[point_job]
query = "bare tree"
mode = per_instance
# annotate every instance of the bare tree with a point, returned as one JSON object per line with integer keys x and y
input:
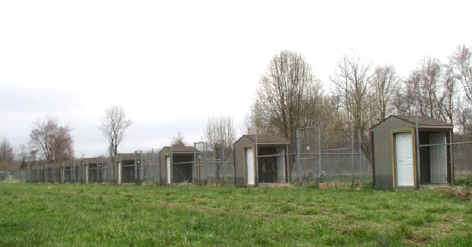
{"x": 178, "y": 140}
{"x": 448, "y": 99}
{"x": 53, "y": 141}
{"x": 463, "y": 116}
{"x": 282, "y": 95}
{"x": 220, "y": 132}
{"x": 6, "y": 155}
{"x": 352, "y": 82}
{"x": 429, "y": 91}
{"x": 430, "y": 85}
{"x": 114, "y": 125}
{"x": 383, "y": 83}
{"x": 461, "y": 61}
{"x": 404, "y": 99}
{"x": 220, "y": 135}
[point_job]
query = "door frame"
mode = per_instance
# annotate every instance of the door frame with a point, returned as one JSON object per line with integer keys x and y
{"x": 394, "y": 158}
{"x": 168, "y": 170}
{"x": 443, "y": 134}
{"x": 247, "y": 166}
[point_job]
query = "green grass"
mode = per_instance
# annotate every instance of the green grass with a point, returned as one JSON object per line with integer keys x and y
{"x": 129, "y": 215}
{"x": 464, "y": 181}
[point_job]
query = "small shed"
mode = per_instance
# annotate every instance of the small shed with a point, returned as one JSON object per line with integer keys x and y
{"x": 394, "y": 152}
{"x": 129, "y": 169}
{"x": 95, "y": 169}
{"x": 260, "y": 159}
{"x": 177, "y": 164}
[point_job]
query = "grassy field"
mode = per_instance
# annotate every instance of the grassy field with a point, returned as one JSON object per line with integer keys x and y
{"x": 129, "y": 215}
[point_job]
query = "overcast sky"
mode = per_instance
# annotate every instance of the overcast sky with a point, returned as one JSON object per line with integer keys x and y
{"x": 173, "y": 64}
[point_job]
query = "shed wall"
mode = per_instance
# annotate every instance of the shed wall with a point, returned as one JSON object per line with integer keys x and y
{"x": 163, "y": 166}
{"x": 383, "y": 151}
{"x": 240, "y": 160}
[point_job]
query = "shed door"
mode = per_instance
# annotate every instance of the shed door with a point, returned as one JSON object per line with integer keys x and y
{"x": 404, "y": 159}
{"x": 251, "y": 176}
{"x": 438, "y": 158}
{"x": 168, "y": 169}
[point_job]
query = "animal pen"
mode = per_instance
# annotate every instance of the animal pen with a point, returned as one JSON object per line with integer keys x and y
{"x": 177, "y": 164}
{"x": 213, "y": 164}
{"x": 260, "y": 159}
{"x": 411, "y": 152}
{"x": 330, "y": 156}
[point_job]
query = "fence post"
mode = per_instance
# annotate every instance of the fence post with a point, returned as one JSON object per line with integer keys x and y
{"x": 86, "y": 173}
{"x": 320, "y": 165}
{"x": 359, "y": 143}
{"x": 61, "y": 173}
{"x": 352, "y": 156}
{"x": 118, "y": 173}
{"x": 297, "y": 157}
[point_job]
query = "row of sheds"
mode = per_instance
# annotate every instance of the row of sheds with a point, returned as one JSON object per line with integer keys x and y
{"x": 395, "y": 143}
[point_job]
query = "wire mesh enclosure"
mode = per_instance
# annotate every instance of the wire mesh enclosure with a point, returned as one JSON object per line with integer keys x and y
{"x": 320, "y": 156}
{"x": 442, "y": 156}
{"x": 330, "y": 156}
{"x": 213, "y": 164}
{"x": 462, "y": 156}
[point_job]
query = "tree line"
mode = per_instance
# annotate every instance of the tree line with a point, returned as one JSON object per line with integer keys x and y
{"x": 290, "y": 96}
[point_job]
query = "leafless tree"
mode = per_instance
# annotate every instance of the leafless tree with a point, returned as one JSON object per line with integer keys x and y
{"x": 383, "y": 83}
{"x": 6, "y": 155}
{"x": 220, "y": 135}
{"x": 220, "y": 132}
{"x": 178, "y": 140}
{"x": 463, "y": 116}
{"x": 282, "y": 95}
{"x": 430, "y": 72}
{"x": 53, "y": 141}
{"x": 404, "y": 99}
{"x": 461, "y": 61}
{"x": 429, "y": 91}
{"x": 447, "y": 104}
{"x": 114, "y": 125}
{"x": 352, "y": 82}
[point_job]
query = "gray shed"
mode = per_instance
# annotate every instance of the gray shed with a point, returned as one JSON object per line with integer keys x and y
{"x": 261, "y": 159}
{"x": 394, "y": 152}
{"x": 177, "y": 164}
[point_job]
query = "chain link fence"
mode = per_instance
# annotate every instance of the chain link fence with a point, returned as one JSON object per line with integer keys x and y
{"x": 437, "y": 150}
{"x": 331, "y": 157}
{"x": 214, "y": 164}
{"x": 321, "y": 157}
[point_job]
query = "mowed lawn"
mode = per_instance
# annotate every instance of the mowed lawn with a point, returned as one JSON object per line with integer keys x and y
{"x": 129, "y": 215}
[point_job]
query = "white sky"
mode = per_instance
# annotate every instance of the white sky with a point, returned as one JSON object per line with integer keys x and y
{"x": 172, "y": 64}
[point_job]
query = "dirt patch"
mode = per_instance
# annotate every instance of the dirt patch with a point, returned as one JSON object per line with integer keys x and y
{"x": 275, "y": 185}
{"x": 461, "y": 193}
{"x": 415, "y": 240}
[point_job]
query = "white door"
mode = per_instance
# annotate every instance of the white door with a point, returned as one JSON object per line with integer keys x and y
{"x": 168, "y": 169}
{"x": 251, "y": 177}
{"x": 404, "y": 159}
{"x": 438, "y": 158}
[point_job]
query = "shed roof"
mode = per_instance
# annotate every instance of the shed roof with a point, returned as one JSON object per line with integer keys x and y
{"x": 266, "y": 139}
{"x": 127, "y": 156}
{"x": 180, "y": 149}
{"x": 93, "y": 159}
{"x": 424, "y": 122}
